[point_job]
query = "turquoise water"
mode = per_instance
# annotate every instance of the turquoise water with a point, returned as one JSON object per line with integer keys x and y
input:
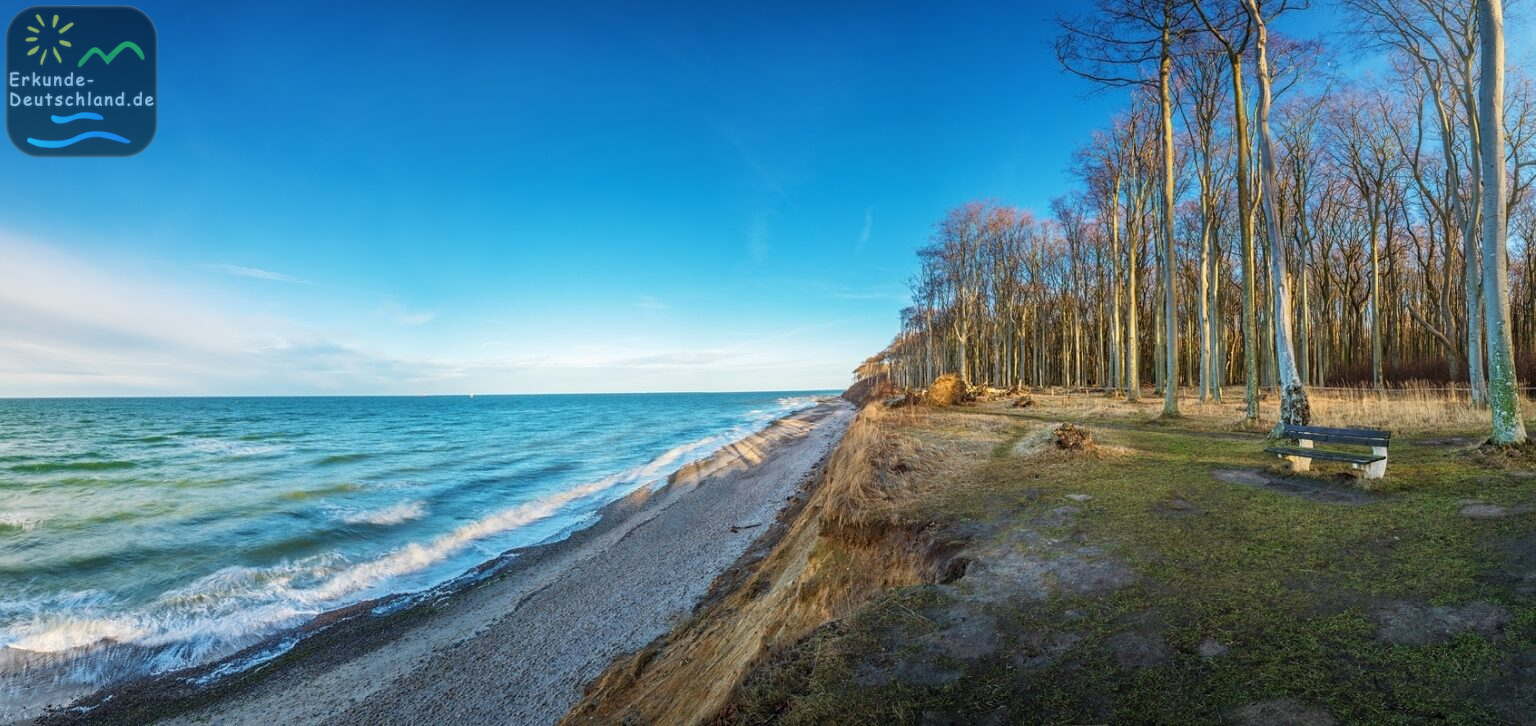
{"x": 146, "y": 535}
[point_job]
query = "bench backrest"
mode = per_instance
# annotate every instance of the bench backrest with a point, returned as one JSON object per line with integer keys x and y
{"x": 1356, "y": 437}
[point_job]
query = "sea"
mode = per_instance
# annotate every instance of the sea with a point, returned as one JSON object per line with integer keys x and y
{"x": 141, "y": 536}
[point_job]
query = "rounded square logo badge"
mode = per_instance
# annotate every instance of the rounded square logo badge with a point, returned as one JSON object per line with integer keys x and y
{"x": 80, "y": 80}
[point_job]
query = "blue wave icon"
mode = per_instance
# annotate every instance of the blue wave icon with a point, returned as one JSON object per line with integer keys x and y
{"x": 76, "y": 117}
{"x": 46, "y": 144}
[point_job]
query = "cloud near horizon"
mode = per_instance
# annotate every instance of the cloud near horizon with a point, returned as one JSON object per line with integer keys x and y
{"x": 75, "y": 327}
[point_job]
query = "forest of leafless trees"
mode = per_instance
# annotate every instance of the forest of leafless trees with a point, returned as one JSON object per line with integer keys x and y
{"x": 1257, "y": 219}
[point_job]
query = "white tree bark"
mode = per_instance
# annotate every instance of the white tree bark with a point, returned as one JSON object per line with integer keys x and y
{"x": 1503, "y": 391}
{"x": 1294, "y": 406}
{"x": 1170, "y": 301}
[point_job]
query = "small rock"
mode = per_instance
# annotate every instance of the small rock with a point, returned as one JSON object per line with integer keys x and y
{"x": 1080, "y": 497}
{"x": 1212, "y": 648}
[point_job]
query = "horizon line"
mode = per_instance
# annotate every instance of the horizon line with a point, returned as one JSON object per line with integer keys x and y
{"x": 408, "y": 395}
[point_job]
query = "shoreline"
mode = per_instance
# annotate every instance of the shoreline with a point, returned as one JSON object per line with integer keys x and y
{"x": 599, "y": 592}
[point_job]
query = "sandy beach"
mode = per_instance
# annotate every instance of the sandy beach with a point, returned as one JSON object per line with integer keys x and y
{"x": 518, "y": 645}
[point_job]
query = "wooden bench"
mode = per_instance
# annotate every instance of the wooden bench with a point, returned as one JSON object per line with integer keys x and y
{"x": 1301, "y": 456}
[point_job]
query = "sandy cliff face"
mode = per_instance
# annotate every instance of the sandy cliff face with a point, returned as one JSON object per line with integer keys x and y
{"x": 839, "y": 544}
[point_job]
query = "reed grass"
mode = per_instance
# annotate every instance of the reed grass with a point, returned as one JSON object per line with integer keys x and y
{"x": 1412, "y": 408}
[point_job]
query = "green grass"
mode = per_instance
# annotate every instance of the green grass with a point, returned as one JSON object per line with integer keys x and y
{"x": 1285, "y": 582}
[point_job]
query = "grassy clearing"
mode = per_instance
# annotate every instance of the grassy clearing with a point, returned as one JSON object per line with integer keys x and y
{"x": 1236, "y": 595}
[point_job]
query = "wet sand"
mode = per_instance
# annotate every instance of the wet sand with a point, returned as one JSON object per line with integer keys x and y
{"x": 518, "y": 644}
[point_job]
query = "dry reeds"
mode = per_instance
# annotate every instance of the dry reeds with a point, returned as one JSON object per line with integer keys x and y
{"x": 1417, "y": 407}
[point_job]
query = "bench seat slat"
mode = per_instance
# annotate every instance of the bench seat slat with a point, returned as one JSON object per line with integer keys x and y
{"x": 1335, "y": 438}
{"x": 1324, "y": 430}
{"x": 1325, "y": 454}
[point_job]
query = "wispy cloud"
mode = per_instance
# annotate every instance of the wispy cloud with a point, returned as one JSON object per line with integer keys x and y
{"x": 71, "y": 325}
{"x": 650, "y": 303}
{"x": 869, "y": 224}
{"x": 256, "y": 273}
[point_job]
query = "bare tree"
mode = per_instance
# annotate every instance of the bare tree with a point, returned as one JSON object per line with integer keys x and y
{"x": 1440, "y": 36}
{"x": 1503, "y": 391}
{"x": 1294, "y": 406}
{"x": 1114, "y": 46}
{"x": 1233, "y": 30}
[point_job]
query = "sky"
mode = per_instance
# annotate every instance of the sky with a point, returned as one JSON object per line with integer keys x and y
{"x": 519, "y": 197}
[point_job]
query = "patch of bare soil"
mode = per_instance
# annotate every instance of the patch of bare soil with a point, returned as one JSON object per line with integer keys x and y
{"x": 1405, "y": 622}
{"x": 1141, "y": 644}
{"x": 970, "y": 628}
{"x": 1483, "y": 510}
{"x": 1517, "y": 569}
{"x": 934, "y": 647}
{"x": 1281, "y": 712}
{"x": 1177, "y": 506}
{"x": 1512, "y": 695}
{"x": 1316, "y": 490}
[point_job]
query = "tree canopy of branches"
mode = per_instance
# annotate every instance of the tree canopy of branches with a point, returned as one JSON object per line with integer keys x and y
{"x": 1382, "y": 231}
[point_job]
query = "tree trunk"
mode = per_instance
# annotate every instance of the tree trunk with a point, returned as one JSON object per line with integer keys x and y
{"x": 1294, "y": 406}
{"x": 1375, "y": 290}
{"x": 1245, "y": 230}
{"x": 1170, "y": 310}
{"x": 1503, "y": 391}
{"x": 1132, "y": 335}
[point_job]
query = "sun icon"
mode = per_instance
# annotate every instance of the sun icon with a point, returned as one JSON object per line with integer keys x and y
{"x": 44, "y": 29}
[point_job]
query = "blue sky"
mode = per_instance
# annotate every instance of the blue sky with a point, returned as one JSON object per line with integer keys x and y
{"x": 525, "y": 197}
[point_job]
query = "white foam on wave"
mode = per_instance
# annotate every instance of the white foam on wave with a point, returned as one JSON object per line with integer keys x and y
{"x": 236, "y": 449}
{"x": 402, "y": 512}
{"x": 238, "y": 606}
{"x": 52, "y": 635}
{"x": 17, "y": 520}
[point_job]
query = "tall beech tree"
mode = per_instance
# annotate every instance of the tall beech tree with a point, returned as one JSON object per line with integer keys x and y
{"x": 1232, "y": 27}
{"x": 1503, "y": 391}
{"x": 1114, "y": 46}
{"x": 1294, "y": 407}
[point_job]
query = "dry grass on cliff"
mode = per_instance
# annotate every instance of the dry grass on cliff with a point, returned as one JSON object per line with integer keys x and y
{"x": 854, "y": 538}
